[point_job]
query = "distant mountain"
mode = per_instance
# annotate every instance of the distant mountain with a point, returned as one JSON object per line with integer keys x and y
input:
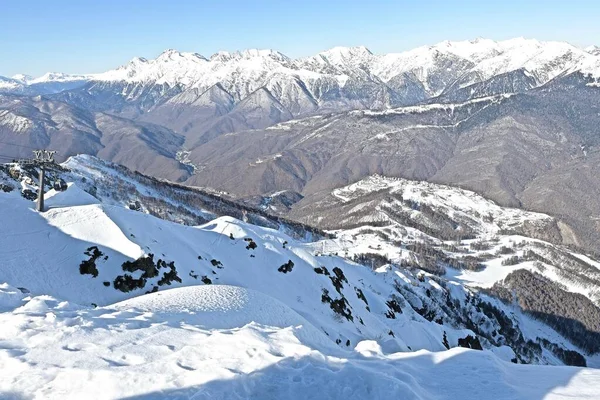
{"x": 174, "y": 88}
{"x": 10, "y": 84}
{"x": 51, "y": 82}
{"x": 514, "y": 120}
{"x": 35, "y": 122}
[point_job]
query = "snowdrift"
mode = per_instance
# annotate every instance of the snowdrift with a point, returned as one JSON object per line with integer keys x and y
{"x": 163, "y": 346}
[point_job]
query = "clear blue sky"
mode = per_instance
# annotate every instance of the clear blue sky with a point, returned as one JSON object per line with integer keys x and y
{"x": 80, "y": 36}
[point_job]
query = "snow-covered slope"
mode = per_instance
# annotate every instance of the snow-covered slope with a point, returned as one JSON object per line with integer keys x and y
{"x": 250, "y": 302}
{"x": 77, "y": 229}
{"x": 375, "y": 214}
{"x": 195, "y": 343}
{"x": 95, "y": 249}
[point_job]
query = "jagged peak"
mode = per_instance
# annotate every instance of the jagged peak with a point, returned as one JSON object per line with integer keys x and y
{"x": 175, "y": 55}
{"x": 22, "y": 78}
{"x": 133, "y": 62}
{"x": 341, "y": 53}
{"x": 192, "y": 69}
{"x": 224, "y": 56}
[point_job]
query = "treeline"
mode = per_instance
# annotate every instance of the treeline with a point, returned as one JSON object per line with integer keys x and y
{"x": 571, "y": 314}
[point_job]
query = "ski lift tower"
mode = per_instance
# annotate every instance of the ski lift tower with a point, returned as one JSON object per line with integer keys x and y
{"x": 42, "y": 159}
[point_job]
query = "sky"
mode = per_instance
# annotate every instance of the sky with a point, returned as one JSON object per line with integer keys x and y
{"x": 89, "y": 36}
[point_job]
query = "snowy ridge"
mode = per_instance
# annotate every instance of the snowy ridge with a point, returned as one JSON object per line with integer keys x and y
{"x": 240, "y": 289}
{"x": 485, "y": 56}
{"x": 462, "y": 204}
{"x": 478, "y": 59}
{"x": 419, "y": 73}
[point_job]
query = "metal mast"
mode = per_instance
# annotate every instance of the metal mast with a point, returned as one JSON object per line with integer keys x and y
{"x": 42, "y": 158}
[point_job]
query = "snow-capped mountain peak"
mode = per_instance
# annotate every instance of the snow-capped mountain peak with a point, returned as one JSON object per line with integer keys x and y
{"x": 595, "y": 50}
{"x": 305, "y": 85}
{"x": 176, "y": 56}
{"x": 22, "y": 77}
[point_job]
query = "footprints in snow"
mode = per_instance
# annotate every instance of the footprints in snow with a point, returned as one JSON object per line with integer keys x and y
{"x": 78, "y": 347}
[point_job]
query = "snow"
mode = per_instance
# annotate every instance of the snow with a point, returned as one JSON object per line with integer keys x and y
{"x": 448, "y": 107}
{"x": 58, "y": 77}
{"x": 491, "y": 217}
{"x": 266, "y": 159}
{"x": 226, "y": 307}
{"x": 252, "y": 331}
{"x": 305, "y": 80}
{"x": 174, "y": 344}
{"x": 15, "y": 122}
{"x": 9, "y": 84}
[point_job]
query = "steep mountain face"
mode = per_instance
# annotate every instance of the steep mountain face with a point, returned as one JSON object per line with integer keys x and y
{"x": 27, "y": 123}
{"x": 517, "y": 81}
{"x": 520, "y": 150}
{"x": 109, "y": 248}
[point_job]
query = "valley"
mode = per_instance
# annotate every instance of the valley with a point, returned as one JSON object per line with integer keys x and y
{"x": 421, "y": 224}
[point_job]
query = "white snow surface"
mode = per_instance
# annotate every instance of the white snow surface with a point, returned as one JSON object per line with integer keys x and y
{"x": 166, "y": 345}
{"x": 222, "y": 306}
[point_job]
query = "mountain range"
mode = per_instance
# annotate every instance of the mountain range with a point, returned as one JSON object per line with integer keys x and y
{"x": 514, "y": 120}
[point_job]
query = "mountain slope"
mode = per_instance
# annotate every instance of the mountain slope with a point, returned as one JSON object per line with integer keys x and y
{"x": 535, "y": 149}
{"x": 168, "y": 90}
{"x": 191, "y": 299}
{"x": 42, "y": 123}
{"x": 95, "y": 250}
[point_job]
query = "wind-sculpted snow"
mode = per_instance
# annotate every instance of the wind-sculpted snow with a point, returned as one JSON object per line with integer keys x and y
{"x": 54, "y": 350}
{"x": 226, "y": 307}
